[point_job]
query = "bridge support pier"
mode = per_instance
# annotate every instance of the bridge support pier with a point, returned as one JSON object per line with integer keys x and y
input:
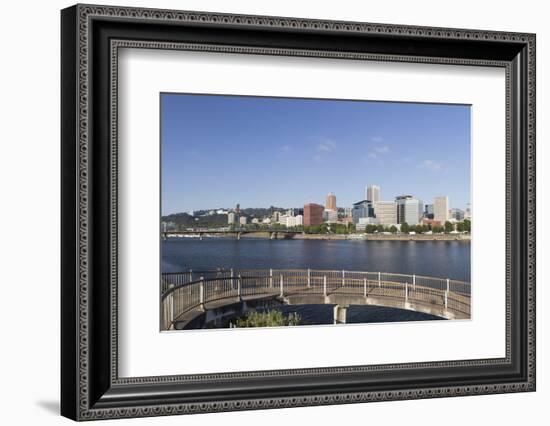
{"x": 340, "y": 314}
{"x": 239, "y": 235}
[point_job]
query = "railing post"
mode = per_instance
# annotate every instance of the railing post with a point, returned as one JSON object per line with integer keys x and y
{"x": 190, "y": 275}
{"x": 379, "y": 274}
{"x": 308, "y": 277}
{"x": 270, "y": 278}
{"x": 282, "y": 292}
{"x": 365, "y": 287}
{"x": 446, "y": 299}
{"x": 406, "y": 292}
{"x": 325, "y": 285}
{"x": 201, "y": 293}
{"x": 448, "y": 284}
{"x": 343, "y": 278}
{"x": 232, "y": 283}
{"x": 239, "y": 287}
{"x": 414, "y": 282}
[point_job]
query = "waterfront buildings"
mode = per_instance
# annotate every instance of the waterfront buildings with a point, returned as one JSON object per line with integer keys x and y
{"x": 385, "y": 212}
{"x": 313, "y": 214}
{"x": 429, "y": 211}
{"x": 372, "y": 193}
{"x": 431, "y": 222}
{"x": 362, "y": 209}
{"x": 292, "y": 221}
{"x": 231, "y": 218}
{"x": 331, "y": 202}
{"x": 441, "y": 209}
{"x": 457, "y": 214}
{"x": 242, "y": 220}
{"x": 409, "y": 209}
{"x": 330, "y": 216}
{"x": 364, "y": 221}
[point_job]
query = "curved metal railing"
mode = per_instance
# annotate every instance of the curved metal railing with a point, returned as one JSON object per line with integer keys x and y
{"x": 187, "y": 291}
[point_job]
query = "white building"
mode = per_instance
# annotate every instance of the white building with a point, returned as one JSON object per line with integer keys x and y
{"x": 267, "y": 220}
{"x": 255, "y": 220}
{"x": 242, "y": 220}
{"x": 409, "y": 209}
{"x": 372, "y": 193}
{"x": 330, "y": 216}
{"x": 231, "y": 218}
{"x": 291, "y": 221}
{"x": 364, "y": 221}
{"x": 441, "y": 209}
{"x": 386, "y": 212}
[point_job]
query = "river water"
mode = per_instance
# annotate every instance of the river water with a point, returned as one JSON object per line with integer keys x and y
{"x": 442, "y": 259}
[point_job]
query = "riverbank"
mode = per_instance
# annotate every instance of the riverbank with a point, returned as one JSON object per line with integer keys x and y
{"x": 364, "y": 237}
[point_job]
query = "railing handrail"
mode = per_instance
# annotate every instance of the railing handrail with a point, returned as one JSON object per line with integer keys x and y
{"x": 313, "y": 271}
{"x": 237, "y": 276}
{"x": 451, "y": 294}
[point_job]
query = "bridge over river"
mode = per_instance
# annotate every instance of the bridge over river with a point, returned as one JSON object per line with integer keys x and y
{"x": 189, "y": 299}
{"x": 237, "y": 232}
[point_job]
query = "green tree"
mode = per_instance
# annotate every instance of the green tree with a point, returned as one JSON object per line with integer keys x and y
{"x": 467, "y": 225}
{"x": 369, "y": 229}
{"x": 449, "y": 227}
{"x": 460, "y": 226}
{"x": 437, "y": 229}
{"x": 393, "y": 229}
{"x": 418, "y": 229}
{"x": 405, "y": 228}
{"x": 380, "y": 228}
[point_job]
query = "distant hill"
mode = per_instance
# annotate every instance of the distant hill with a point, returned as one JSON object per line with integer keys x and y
{"x": 201, "y": 218}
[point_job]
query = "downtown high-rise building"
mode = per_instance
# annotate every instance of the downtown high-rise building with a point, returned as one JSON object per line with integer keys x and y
{"x": 441, "y": 209}
{"x": 372, "y": 193}
{"x": 386, "y": 212}
{"x": 362, "y": 209}
{"x": 409, "y": 209}
{"x": 331, "y": 202}
{"x": 313, "y": 214}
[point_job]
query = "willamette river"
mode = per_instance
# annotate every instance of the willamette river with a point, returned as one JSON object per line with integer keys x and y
{"x": 443, "y": 259}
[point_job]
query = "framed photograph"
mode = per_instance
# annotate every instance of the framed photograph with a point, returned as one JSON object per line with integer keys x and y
{"x": 263, "y": 212}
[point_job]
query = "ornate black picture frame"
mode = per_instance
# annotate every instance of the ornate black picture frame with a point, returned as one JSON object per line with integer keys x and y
{"x": 91, "y": 387}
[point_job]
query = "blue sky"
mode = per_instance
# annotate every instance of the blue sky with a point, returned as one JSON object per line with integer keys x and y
{"x": 218, "y": 151}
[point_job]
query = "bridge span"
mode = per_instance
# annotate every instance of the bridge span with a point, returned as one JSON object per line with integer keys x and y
{"x": 190, "y": 298}
{"x": 238, "y": 233}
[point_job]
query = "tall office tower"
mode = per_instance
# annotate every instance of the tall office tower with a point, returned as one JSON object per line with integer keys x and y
{"x": 313, "y": 214}
{"x": 372, "y": 193}
{"x": 331, "y": 202}
{"x": 441, "y": 209}
{"x": 409, "y": 209}
{"x": 386, "y": 212}
{"x": 362, "y": 209}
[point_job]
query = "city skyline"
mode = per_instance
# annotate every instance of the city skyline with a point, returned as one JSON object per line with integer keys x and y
{"x": 218, "y": 151}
